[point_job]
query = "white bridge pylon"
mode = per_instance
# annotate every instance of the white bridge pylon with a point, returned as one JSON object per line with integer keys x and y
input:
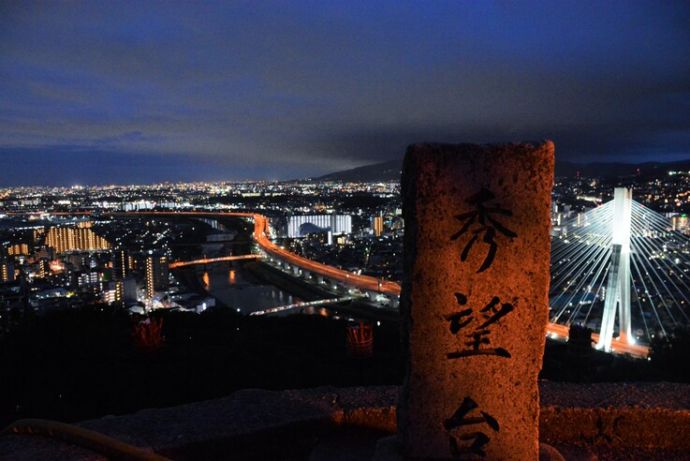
{"x": 618, "y": 259}
{"x": 618, "y": 284}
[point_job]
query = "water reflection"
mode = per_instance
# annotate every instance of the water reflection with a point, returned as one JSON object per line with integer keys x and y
{"x": 315, "y": 310}
{"x": 238, "y": 289}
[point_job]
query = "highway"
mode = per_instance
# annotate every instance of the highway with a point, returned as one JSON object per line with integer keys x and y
{"x": 363, "y": 282}
{"x": 195, "y": 262}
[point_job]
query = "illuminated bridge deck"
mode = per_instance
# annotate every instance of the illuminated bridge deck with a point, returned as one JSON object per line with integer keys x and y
{"x": 289, "y": 307}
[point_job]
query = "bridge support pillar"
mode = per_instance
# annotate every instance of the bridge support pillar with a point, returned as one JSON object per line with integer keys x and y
{"x": 618, "y": 285}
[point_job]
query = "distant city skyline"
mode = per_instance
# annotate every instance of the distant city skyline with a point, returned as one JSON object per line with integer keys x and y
{"x": 128, "y": 92}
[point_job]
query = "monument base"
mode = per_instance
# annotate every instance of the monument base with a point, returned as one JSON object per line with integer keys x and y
{"x": 390, "y": 449}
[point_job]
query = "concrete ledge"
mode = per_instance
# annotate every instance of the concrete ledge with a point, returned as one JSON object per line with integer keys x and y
{"x": 606, "y": 419}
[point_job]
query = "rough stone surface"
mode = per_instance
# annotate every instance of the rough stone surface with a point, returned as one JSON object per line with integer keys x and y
{"x": 651, "y": 422}
{"x": 31, "y": 448}
{"x": 248, "y": 421}
{"x": 390, "y": 449}
{"x": 471, "y": 386}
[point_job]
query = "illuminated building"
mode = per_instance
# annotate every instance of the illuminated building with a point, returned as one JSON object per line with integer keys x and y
{"x": 18, "y": 249}
{"x": 89, "y": 279}
{"x": 43, "y": 268}
{"x": 680, "y": 223}
{"x": 80, "y": 238}
{"x": 121, "y": 264}
{"x": 114, "y": 293}
{"x": 156, "y": 273}
{"x": 299, "y": 226}
{"x": 377, "y": 225}
{"x": 121, "y": 292}
{"x": 6, "y": 271}
{"x": 139, "y": 205}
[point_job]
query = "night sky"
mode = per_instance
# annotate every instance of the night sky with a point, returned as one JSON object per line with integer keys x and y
{"x": 135, "y": 92}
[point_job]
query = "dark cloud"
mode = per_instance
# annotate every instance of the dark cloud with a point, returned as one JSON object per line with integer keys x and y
{"x": 75, "y": 165}
{"x": 300, "y": 88}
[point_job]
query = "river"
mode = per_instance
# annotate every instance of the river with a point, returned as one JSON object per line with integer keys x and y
{"x": 238, "y": 289}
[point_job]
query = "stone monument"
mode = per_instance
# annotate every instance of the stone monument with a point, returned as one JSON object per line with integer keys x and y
{"x": 474, "y": 299}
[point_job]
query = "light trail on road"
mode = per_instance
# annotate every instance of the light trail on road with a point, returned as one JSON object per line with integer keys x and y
{"x": 195, "y": 262}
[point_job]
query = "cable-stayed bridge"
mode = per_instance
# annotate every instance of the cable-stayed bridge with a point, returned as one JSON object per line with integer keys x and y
{"x": 621, "y": 270}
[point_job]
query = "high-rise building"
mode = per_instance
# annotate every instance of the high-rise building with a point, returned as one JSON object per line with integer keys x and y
{"x": 156, "y": 273}
{"x": 80, "y": 238}
{"x": 6, "y": 270}
{"x": 377, "y": 225}
{"x": 43, "y": 268}
{"x": 299, "y": 226}
{"x": 121, "y": 264}
{"x": 18, "y": 249}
